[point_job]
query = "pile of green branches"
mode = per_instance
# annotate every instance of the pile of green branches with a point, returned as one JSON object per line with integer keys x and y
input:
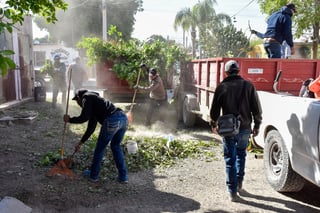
{"x": 152, "y": 153}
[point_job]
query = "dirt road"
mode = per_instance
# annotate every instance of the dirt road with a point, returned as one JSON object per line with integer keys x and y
{"x": 190, "y": 186}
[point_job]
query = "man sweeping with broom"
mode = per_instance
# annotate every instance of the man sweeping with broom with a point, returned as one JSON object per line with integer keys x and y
{"x": 114, "y": 124}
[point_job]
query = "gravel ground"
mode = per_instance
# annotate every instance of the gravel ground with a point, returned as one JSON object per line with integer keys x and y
{"x": 192, "y": 185}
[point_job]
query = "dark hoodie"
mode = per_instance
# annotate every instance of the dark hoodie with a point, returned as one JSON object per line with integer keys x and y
{"x": 94, "y": 109}
{"x": 279, "y": 26}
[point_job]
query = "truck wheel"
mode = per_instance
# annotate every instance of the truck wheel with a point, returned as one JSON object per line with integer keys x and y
{"x": 188, "y": 117}
{"x": 278, "y": 170}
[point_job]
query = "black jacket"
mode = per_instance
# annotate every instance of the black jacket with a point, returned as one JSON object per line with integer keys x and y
{"x": 229, "y": 94}
{"x": 94, "y": 109}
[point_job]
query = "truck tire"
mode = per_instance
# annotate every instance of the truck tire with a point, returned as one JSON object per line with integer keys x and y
{"x": 188, "y": 117}
{"x": 278, "y": 170}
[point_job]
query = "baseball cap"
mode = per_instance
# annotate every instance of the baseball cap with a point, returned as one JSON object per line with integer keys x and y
{"x": 56, "y": 57}
{"x": 292, "y": 7}
{"x": 231, "y": 67}
{"x": 79, "y": 93}
{"x": 152, "y": 71}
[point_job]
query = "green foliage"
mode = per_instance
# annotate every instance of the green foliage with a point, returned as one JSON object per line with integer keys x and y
{"x": 127, "y": 56}
{"x": 49, "y": 159}
{"x": 6, "y": 62}
{"x": 191, "y": 18}
{"x": 224, "y": 42}
{"x": 152, "y": 153}
{"x": 47, "y": 67}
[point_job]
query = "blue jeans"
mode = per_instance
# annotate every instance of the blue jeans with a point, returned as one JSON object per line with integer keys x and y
{"x": 113, "y": 129}
{"x": 273, "y": 49}
{"x": 235, "y": 151}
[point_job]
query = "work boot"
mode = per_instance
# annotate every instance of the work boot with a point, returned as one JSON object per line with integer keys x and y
{"x": 239, "y": 186}
{"x": 234, "y": 197}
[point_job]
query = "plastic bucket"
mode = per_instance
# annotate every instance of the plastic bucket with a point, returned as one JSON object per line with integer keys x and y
{"x": 132, "y": 147}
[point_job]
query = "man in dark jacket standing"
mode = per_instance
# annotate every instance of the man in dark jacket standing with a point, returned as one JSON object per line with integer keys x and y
{"x": 59, "y": 78}
{"x": 279, "y": 30}
{"x": 114, "y": 124}
{"x": 236, "y": 96}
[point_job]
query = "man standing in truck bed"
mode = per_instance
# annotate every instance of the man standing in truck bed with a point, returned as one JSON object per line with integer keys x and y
{"x": 279, "y": 30}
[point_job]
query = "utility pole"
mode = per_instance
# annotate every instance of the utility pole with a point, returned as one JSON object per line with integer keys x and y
{"x": 104, "y": 20}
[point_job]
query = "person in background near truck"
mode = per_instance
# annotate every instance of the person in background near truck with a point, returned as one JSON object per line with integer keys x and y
{"x": 157, "y": 94}
{"x": 59, "y": 80}
{"x": 79, "y": 74}
{"x": 114, "y": 124}
{"x": 278, "y": 30}
{"x": 234, "y": 147}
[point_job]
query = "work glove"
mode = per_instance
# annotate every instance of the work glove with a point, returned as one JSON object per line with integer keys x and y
{"x": 253, "y": 32}
{"x": 255, "y": 132}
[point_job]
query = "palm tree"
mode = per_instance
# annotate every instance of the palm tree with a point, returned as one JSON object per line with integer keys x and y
{"x": 189, "y": 19}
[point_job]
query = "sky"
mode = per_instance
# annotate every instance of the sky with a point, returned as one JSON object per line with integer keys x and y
{"x": 158, "y": 17}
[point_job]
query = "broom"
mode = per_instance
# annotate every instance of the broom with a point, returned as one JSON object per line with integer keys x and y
{"x": 61, "y": 169}
{"x": 129, "y": 113}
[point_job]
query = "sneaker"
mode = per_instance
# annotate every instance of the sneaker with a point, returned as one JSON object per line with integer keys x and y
{"x": 122, "y": 181}
{"x": 233, "y": 197}
{"x": 87, "y": 174}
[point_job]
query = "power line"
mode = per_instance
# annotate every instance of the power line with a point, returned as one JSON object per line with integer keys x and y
{"x": 247, "y": 5}
{"x": 79, "y": 5}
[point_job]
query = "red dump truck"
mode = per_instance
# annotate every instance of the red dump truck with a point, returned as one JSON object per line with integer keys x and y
{"x": 290, "y": 130}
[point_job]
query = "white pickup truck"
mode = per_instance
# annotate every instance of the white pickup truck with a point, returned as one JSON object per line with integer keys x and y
{"x": 290, "y": 130}
{"x": 290, "y": 136}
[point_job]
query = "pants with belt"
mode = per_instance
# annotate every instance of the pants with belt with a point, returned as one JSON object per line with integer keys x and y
{"x": 273, "y": 49}
{"x": 112, "y": 130}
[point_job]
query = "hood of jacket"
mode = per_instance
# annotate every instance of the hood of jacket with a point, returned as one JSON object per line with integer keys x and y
{"x": 286, "y": 10}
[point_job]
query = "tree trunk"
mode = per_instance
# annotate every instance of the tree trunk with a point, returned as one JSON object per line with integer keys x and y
{"x": 315, "y": 41}
{"x": 193, "y": 38}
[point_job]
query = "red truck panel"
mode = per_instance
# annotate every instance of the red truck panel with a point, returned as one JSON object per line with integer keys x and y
{"x": 261, "y": 72}
{"x": 115, "y": 88}
{"x": 106, "y": 79}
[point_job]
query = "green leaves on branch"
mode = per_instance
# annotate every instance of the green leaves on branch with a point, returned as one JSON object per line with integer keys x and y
{"x": 6, "y": 62}
{"x": 127, "y": 56}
